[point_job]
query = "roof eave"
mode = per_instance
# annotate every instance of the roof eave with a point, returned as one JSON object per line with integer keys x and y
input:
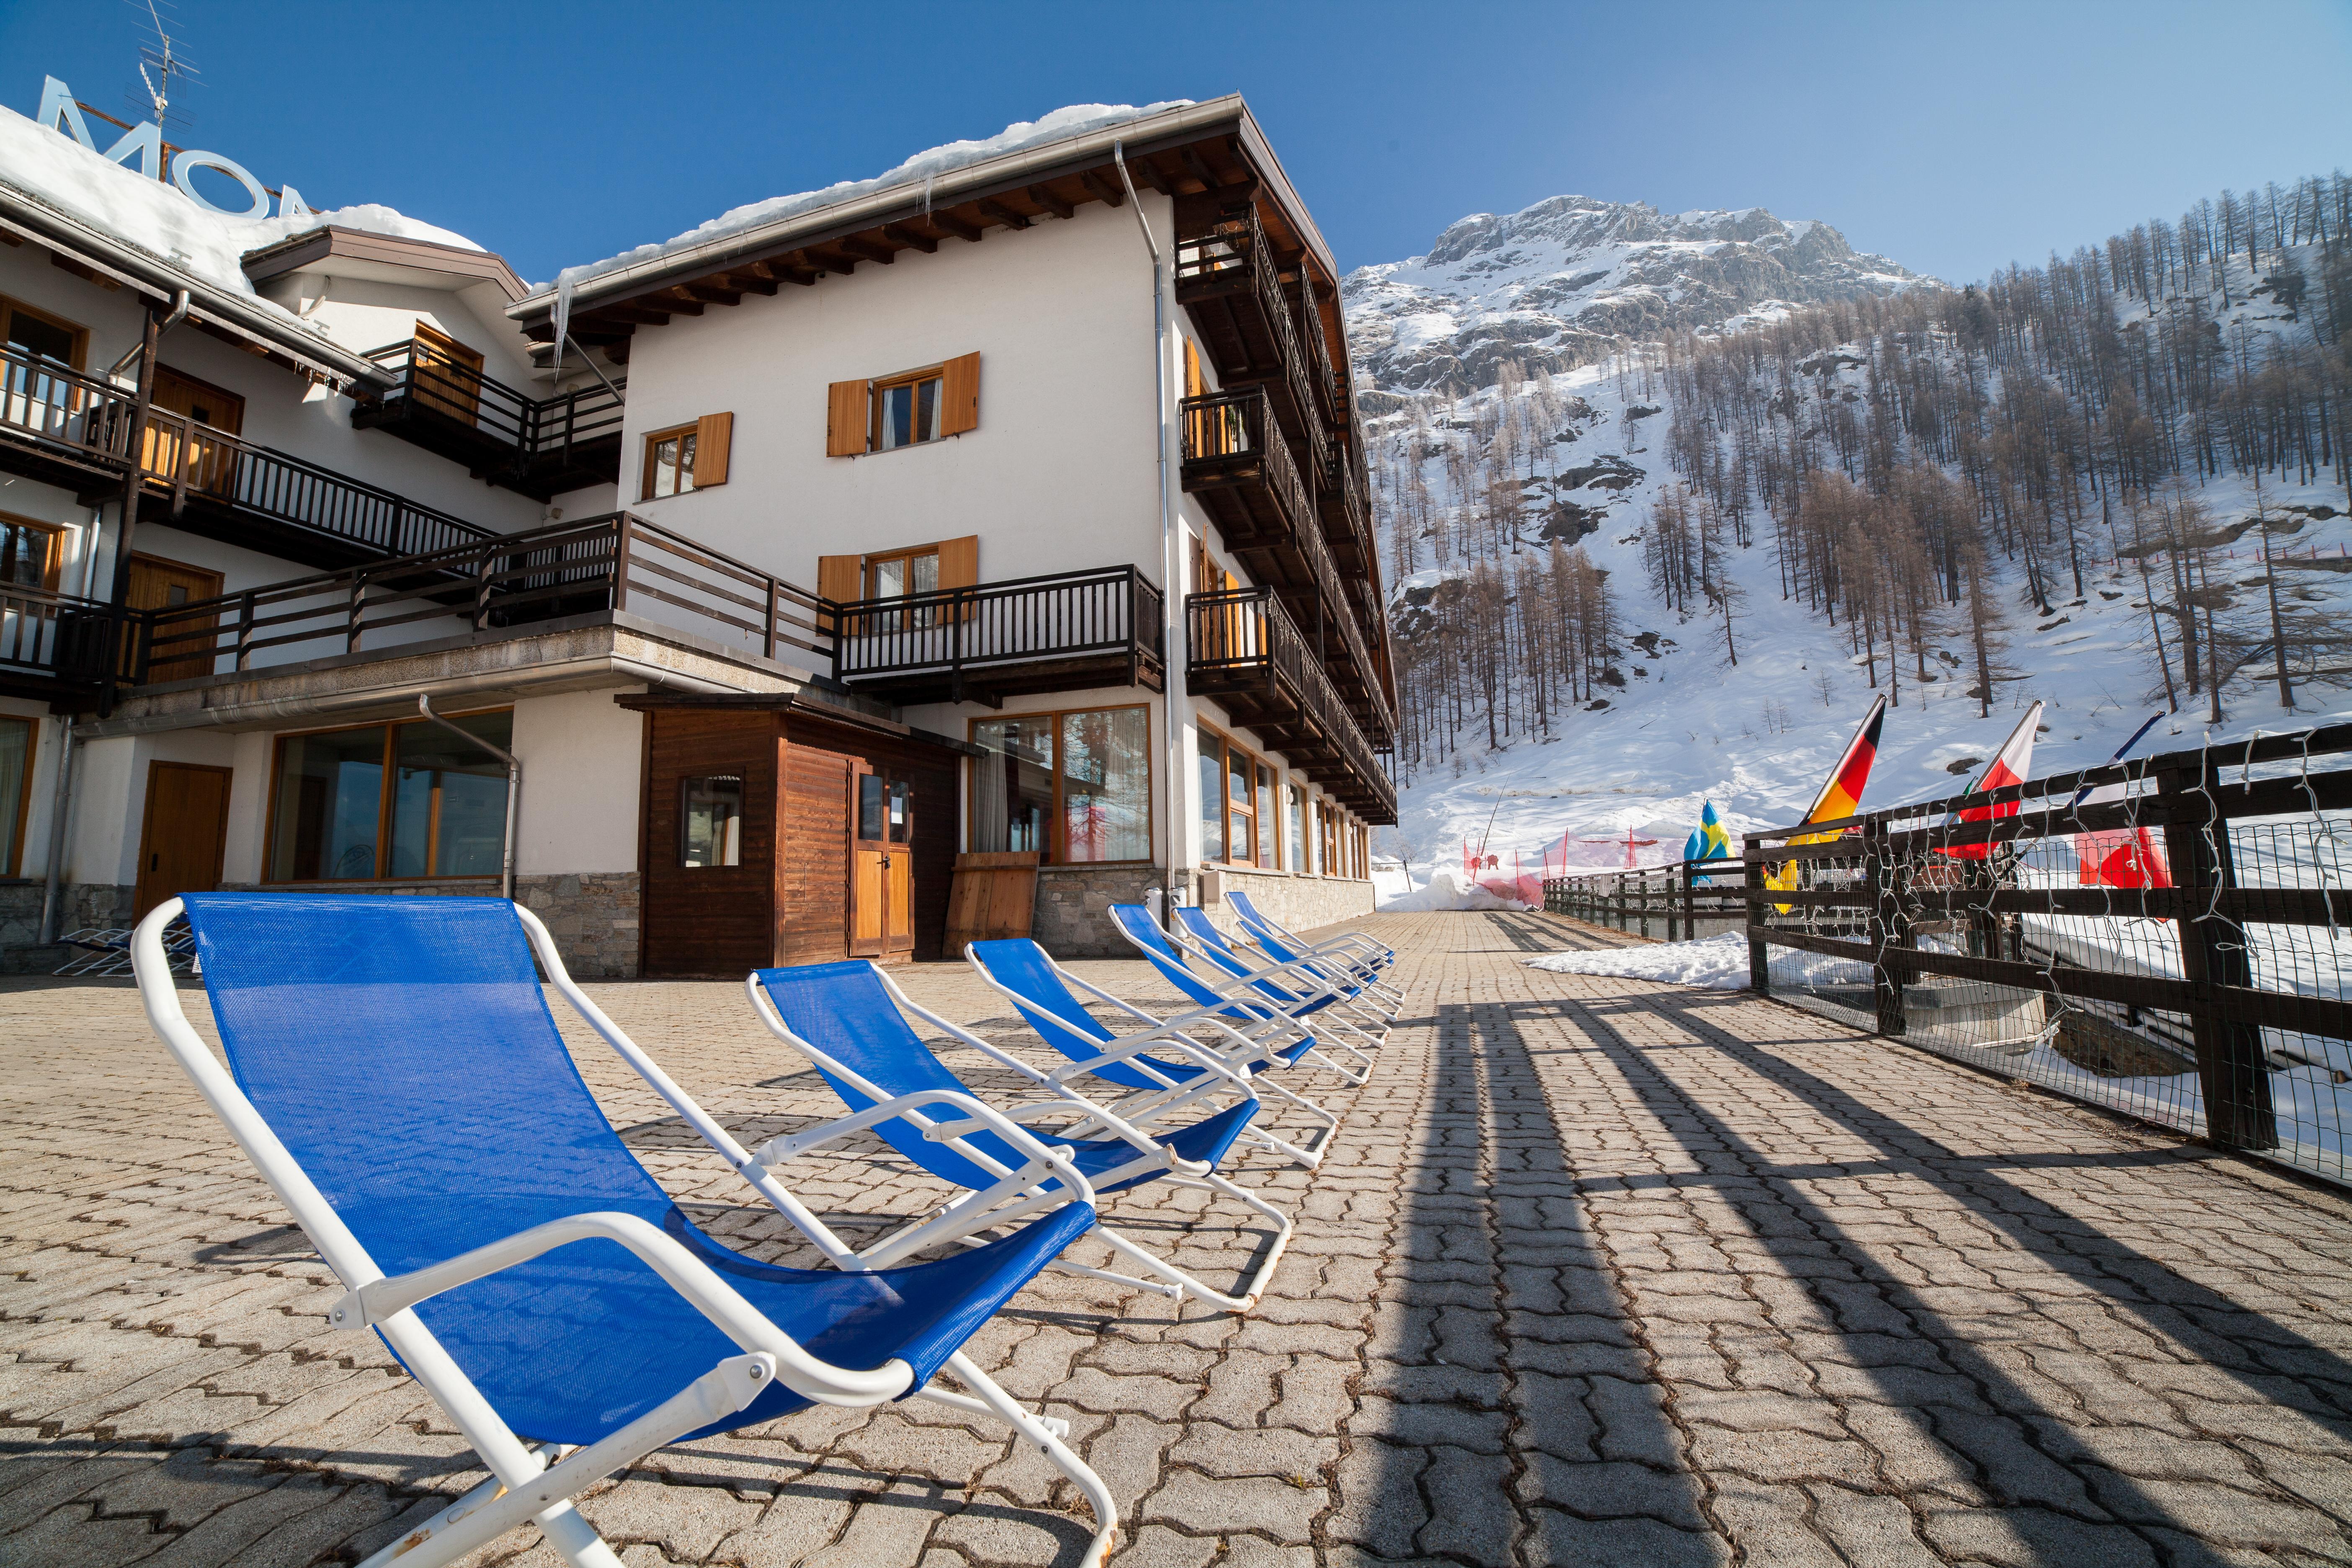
{"x": 1173, "y": 128}
{"x": 53, "y": 228}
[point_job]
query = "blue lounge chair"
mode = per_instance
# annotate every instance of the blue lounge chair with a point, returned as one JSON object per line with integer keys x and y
{"x": 400, "y": 1084}
{"x": 1042, "y": 992}
{"x": 1253, "y": 1006}
{"x": 1370, "y": 958}
{"x": 1308, "y": 977}
{"x": 849, "y": 1020}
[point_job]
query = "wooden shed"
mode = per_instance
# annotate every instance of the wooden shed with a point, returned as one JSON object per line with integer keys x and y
{"x": 790, "y": 829}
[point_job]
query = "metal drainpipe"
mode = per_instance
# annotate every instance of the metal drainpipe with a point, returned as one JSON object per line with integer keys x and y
{"x": 52, "y": 886}
{"x": 514, "y": 790}
{"x": 1172, "y": 563}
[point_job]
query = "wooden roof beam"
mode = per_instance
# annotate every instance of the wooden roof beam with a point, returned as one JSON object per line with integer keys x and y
{"x": 839, "y": 261}
{"x": 750, "y": 280}
{"x": 948, "y": 223}
{"x": 1103, "y": 190}
{"x": 1149, "y": 167}
{"x": 781, "y": 272}
{"x": 635, "y": 315}
{"x": 901, "y": 235}
{"x": 674, "y": 300}
{"x": 858, "y": 245}
{"x": 1045, "y": 197}
{"x": 711, "y": 293}
{"x": 1200, "y": 167}
{"x": 997, "y": 212}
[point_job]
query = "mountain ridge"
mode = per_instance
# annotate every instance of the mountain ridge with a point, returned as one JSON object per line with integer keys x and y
{"x": 1572, "y": 279}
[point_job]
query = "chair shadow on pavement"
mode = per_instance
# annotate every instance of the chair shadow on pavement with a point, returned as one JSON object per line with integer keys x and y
{"x": 1548, "y": 1410}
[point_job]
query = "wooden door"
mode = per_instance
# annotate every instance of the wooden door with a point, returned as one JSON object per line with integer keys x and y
{"x": 207, "y": 412}
{"x": 448, "y": 375}
{"x": 184, "y": 644}
{"x": 186, "y": 830}
{"x": 881, "y": 864}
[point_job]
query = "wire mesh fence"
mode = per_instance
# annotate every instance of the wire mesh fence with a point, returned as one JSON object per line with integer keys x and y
{"x": 2165, "y": 937}
{"x": 1683, "y": 900}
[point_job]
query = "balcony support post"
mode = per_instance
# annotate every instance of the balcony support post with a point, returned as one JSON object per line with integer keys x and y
{"x": 134, "y": 476}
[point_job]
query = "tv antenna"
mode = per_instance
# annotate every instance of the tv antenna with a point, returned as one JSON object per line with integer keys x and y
{"x": 158, "y": 65}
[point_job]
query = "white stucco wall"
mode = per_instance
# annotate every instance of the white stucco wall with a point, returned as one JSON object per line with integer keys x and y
{"x": 581, "y": 757}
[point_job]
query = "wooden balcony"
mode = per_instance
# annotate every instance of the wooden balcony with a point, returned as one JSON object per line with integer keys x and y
{"x": 1065, "y": 632}
{"x": 1237, "y": 462}
{"x": 544, "y": 579}
{"x": 537, "y": 446}
{"x": 227, "y": 488}
{"x": 60, "y": 425}
{"x": 1347, "y": 515}
{"x": 1244, "y": 650}
{"x": 1228, "y": 281}
{"x": 51, "y": 644}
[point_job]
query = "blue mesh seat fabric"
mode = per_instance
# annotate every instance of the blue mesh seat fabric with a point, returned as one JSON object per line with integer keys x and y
{"x": 1262, "y": 928}
{"x": 1221, "y": 953}
{"x": 842, "y": 1011}
{"x": 1063, "y": 1022}
{"x": 403, "y": 1051}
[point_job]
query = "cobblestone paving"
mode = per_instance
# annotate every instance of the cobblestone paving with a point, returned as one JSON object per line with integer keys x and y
{"x": 1596, "y": 1271}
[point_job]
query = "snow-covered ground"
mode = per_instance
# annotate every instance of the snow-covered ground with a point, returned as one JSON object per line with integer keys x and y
{"x": 1758, "y": 737}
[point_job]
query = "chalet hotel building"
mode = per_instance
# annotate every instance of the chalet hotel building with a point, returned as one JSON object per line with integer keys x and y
{"x": 960, "y": 550}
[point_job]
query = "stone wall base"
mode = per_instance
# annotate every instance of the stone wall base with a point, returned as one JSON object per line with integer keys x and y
{"x": 592, "y": 915}
{"x": 1301, "y": 903}
{"x": 1073, "y": 913}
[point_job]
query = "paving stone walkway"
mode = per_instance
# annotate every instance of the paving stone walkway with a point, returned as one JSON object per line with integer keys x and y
{"x": 1597, "y": 1271}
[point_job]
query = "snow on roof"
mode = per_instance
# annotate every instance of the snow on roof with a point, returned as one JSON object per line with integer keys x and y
{"x": 154, "y": 216}
{"x": 1062, "y": 124}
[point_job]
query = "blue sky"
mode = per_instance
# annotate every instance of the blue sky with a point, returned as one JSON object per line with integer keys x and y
{"x": 1954, "y": 138}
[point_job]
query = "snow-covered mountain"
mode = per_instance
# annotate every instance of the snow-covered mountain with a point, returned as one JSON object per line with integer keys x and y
{"x": 1572, "y": 280}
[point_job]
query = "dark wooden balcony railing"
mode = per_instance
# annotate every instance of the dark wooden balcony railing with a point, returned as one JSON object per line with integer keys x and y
{"x": 1026, "y": 633}
{"x": 199, "y": 467}
{"x": 60, "y": 412}
{"x": 1254, "y": 339}
{"x": 46, "y": 636}
{"x": 539, "y": 446}
{"x": 1318, "y": 353}
{"x": 1243, "y": 648}
{"x": 514, "y": 584}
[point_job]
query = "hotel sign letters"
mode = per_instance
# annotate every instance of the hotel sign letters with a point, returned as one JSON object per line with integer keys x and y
{"x": 60, "y": 113}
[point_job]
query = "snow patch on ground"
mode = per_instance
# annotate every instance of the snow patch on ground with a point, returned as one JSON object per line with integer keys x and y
{"x": 1710, "y": 963}
{"x": 1446, "y": 889}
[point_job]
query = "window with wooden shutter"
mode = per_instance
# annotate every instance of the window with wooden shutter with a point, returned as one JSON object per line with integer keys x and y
{"x": 960, "y": 396}
{"x": 844, "y": 420}
{"x": 960, "y": 565}
{"x": 842, "y": 579}
{"x": 713, "y": 434}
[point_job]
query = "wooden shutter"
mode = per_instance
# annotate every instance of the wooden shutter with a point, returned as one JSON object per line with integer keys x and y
{"x": 958, "y": 402}
{"x": 841, "y": 578}
{"x": 844, "y": 420}
{"x": 960, "y": 565}
{"x": 713, "y": 434}
{"x": 1193, "y": 387}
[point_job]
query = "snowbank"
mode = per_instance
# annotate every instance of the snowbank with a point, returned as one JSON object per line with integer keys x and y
{"x": 154, "y": 216}
{"x": 1446, "y": 889}
{"x": 1711, "y": 963}
{"x": 1076, "y": 120}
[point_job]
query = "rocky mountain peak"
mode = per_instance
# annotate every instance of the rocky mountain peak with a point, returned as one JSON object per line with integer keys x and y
{"x": 1573, "y": 279}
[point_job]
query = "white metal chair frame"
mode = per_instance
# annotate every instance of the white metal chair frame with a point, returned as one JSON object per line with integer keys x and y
{"x": 1348, "y": 956}
{"x": 1307, "y": 986}
{"x": 965, "y": 1219}
{"x": 1373, "y": 954}
{"x": 529, "y": 1484}
{"x": 1253, "y": 1057}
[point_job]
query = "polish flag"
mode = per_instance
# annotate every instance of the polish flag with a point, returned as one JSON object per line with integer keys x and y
{"x": 2009, "y": 767}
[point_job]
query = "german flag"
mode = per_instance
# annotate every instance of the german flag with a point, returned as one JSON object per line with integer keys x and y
{"x": 1840, "y": 796}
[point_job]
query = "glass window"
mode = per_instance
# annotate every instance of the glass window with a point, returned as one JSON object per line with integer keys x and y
{"x": 448, "y": 799}
{"x": 1213, "y": 798}
{"x": 1296, "y": 843}
{"x": 670, "y": 463}
{"x": 1268, "y": 831}
{"x": 901, "y": 812}
{"x": 1012, "y": 791}
{"x": 896, "y": 577}
{"x": 24, "y": 554}
{"x": 16, "y": 785}
{"x": 710, "y": 820}
{"x": 1106, "y": 779}
{"x": 444, "y": 815}
{"x": 329, "y": 803}
{"x": 870, "y": 803}
{"x": 1241, "y": 799}
{"x": 31, "y": 334}
{"x": 906, "y": 413}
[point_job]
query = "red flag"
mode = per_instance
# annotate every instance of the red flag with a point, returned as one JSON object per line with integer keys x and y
{"x": 2121, "y": 857}
{"x": 2011, "y": 766}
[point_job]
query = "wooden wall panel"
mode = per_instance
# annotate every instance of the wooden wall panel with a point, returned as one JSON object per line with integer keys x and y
{"x": 812, "y": 872}
{"x": 710, "y": 920}
{"x": 933, "y": 771}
